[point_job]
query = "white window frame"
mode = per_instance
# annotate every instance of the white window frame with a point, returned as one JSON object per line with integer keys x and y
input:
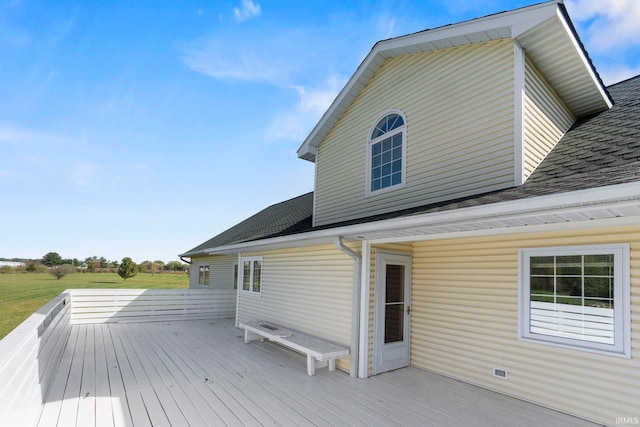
{"x": 251, "y": 290}
{"x": 372, "y": 141}
{"x": 622, "y": 297}
{"x": 235, "y": 273}
{"x": 202, "y": 275}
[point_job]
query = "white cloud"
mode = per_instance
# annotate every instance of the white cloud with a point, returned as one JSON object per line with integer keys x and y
{"x": 387, "y": 26}
{"x": 247, "y": 10}
{"x": 611, "y": 75}
{"x": 607, "y": 23}
{"x": 611, "y": 34}
{"x": 240, "y": 62}
{"x": 297, "y": 122}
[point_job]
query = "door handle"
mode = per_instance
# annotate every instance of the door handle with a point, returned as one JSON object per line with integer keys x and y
{"x": 408, "y": 309}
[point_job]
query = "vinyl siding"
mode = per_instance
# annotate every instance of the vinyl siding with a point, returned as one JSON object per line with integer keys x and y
{"x": 308, "y": 289}
{"x": 465, "y": 322}
{"x": 459, "y": 107}
{"x": 220, "y": 271}
{"x": 546, "y": 119}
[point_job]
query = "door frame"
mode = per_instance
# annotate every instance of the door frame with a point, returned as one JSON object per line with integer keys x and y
{"x": 384, "y": 258}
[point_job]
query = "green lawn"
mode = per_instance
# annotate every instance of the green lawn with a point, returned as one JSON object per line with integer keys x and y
{"x": 22, "y": 294}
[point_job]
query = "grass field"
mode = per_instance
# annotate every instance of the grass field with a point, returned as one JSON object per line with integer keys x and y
{"x": 22, "y": 294}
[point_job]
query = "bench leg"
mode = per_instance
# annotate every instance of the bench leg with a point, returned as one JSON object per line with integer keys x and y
{"x": 311, "y": 365}
{"x": 332, "y": 365}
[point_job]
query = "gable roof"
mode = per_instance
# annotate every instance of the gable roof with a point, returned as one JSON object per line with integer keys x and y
{"x": 545, "y": 32}
{"x": 598, "y": 151}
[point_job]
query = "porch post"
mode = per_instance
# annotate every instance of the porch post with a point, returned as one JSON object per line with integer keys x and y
{"x": 355, "y": 305}
{"x": 364, "y": 309}
{"x": 238, "y": 290}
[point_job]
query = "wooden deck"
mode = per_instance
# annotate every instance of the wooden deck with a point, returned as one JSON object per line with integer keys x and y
{"x": 200, "y": 373}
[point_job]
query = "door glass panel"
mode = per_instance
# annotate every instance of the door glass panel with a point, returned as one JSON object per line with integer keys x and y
{"x": 394, "y": 304}
{"x": 393, "y": 323}
{"x": 395, "y": 283}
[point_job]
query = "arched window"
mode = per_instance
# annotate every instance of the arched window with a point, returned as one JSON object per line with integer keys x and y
{"x": 386, "y": 152}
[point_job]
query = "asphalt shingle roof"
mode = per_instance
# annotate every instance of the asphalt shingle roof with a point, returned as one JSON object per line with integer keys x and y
{"x": 288, "y": 217}
{"x": 600, "y": 150}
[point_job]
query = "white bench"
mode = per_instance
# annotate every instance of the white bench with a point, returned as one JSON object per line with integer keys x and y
{"x": 319, "y": 352}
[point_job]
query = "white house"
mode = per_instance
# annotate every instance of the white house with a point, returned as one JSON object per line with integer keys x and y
{"x": 476, "y": 213}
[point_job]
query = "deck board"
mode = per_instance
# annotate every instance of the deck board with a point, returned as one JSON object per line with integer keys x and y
{"x": 200, "y": 373}
{"x": 71, "y": 398}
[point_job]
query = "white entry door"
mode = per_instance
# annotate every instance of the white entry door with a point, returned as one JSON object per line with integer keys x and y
{"x": 392, "y": 315}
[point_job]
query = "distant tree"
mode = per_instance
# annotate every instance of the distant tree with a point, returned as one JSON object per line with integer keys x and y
{"x": 144, "y": 266}
{"x": 156, "y": 267}
{"x": 32, "y": 267}
{"x": 60, "y": 271}
{"x": 175, "y": 266}
{"x": 127, "y": 268}
{"x": 93, "y": 265}
{"x": 52, "y": 259}
{"x": 74, "y": 262}
{"x": 103, "y": 262}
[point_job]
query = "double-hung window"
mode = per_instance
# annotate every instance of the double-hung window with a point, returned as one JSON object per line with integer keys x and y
{"x": 577, "y": 297}
{"x": 386, "y": 153}
{"x": 203, "y": 275}
{"x": 250, "y": 274}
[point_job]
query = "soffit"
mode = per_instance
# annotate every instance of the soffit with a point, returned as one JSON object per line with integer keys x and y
{"x": 557, "y": 54}
{"x": 620, "y": 213}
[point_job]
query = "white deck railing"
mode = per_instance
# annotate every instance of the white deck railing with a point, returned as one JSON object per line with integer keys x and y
{"x": 144, "y": 305}
{"x": 30, "y": 354}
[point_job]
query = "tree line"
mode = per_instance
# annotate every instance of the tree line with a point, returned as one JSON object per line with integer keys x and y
{"x": 54, "y": 263}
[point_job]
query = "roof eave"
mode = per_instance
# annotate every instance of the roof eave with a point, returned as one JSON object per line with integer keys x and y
{"x": 593, "y": 207}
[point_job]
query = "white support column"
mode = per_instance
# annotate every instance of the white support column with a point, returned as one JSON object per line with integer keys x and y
{"x": 238, "y": 291}
{"x": 355, "y": 306}
{"x": 364, "y": 310}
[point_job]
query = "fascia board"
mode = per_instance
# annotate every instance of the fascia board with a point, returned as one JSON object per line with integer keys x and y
{"x": 534, "y": 206}
{"x": 564, "y": 21}
{"x": 521, "y": 19}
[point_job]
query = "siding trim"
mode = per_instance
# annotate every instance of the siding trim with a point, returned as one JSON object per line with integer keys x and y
{"x": 518, "y": 102}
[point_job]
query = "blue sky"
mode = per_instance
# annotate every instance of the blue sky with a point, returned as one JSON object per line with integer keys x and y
{"x": 142, "y": 128}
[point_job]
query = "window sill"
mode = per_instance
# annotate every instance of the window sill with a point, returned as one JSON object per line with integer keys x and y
{"x": 620, "y": 354}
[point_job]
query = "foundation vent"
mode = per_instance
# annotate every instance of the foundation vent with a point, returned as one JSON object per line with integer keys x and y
{"x": 501, "y": 373}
